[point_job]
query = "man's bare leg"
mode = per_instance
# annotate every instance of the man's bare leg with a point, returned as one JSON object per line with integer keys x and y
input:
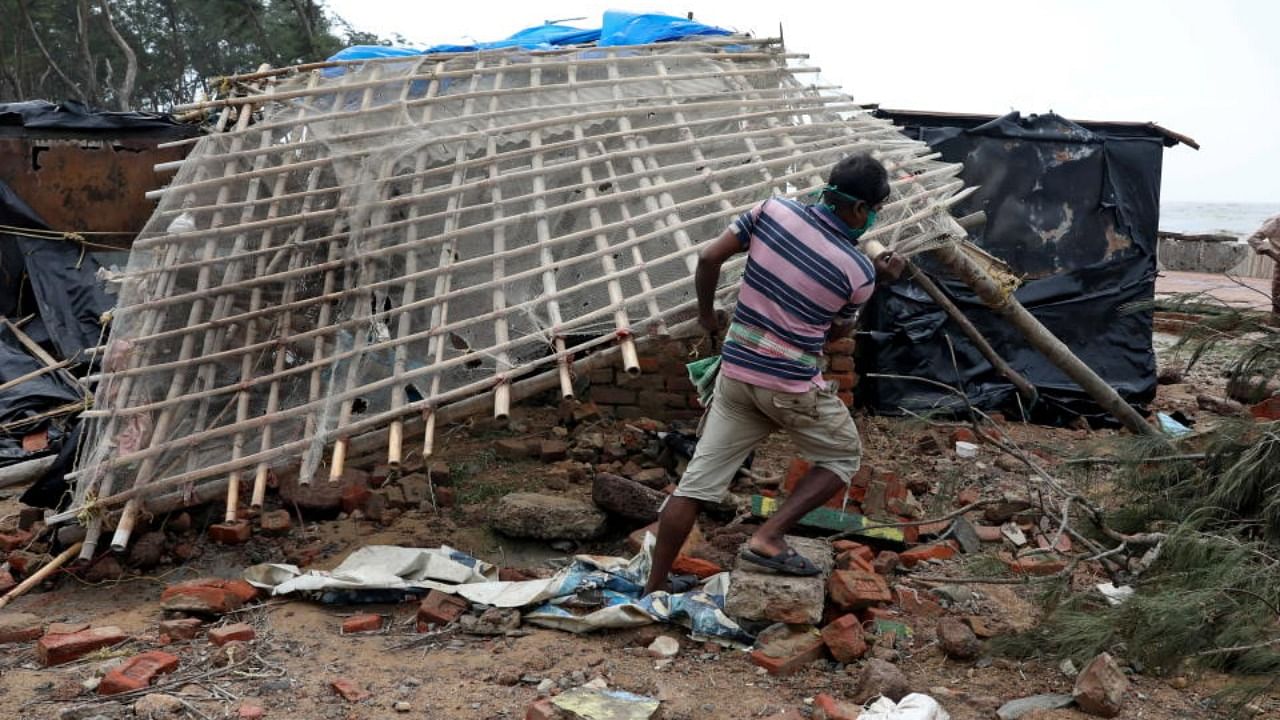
{"x": 674, "y": 525}
{"x": 814, "y": 489}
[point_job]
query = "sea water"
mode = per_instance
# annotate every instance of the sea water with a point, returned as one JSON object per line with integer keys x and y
{"x": 1239, "y": 219}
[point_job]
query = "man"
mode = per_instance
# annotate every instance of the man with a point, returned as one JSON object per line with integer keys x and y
{"x": 1266, "y": 241}
{"x": 805, "y": 279}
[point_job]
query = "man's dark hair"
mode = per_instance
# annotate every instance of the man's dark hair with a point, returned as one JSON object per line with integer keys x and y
{"x": 860, "y": 176}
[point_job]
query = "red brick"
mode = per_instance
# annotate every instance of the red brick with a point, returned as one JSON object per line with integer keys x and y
{"x": 276, "y": 522}
{"x": 685, "y": 565}
{"x": 208, "y": 596}
{"x": 1034, "y": 565}
{"x": 510, "y": 574}
{"x": 7, "y": 582}
{"x": 844, "y": 380}
{"x": 886, "y": 562}
{"x": 542, "y": 710}
{"x": 798, "y": 469}
{"x": 963, "y": 435}
{"x": 826, "y": 707}
{"x": 853, "y": 560}
{"x": 920, "y": 553}
{"x": 439, "y": 608}
{"x": 843, "y": 346}
{"x": 840, "y": 546}
{"x": 846, "y": 397}
{"x": 137, "y": 672}
{"x": 36, "y": 441}
{"x": 180, "y": 629}
{"x": 251, "y": 712}
{"x": 231, "y": 533}
{"x": 15, "y": 539}
{"x": 988, "y": 533}
{"x": 855, "y": 589}
{"x": 914, "y": 602}
{"x": 1268, "y": 409}
{"x": 19, "y": 627}
{"x": 348, "y": 690}
{"x": 606, "y": 395}
{"x": 843, "y": 637}
{"x": 225, "y": 634}
{"x": 811, "y": 650}
{"x": 841, "y": 364}
{"x": 66, "y": 647}
{"x": 354, "y": 497}
{"x": 361, "y": 623}
{"x": 445, "y": 497}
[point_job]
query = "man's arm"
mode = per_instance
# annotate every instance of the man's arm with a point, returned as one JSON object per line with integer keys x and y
{"x": 707, "y": 276}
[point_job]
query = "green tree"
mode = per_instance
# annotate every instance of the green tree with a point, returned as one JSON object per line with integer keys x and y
{"x": 154, "y": 54}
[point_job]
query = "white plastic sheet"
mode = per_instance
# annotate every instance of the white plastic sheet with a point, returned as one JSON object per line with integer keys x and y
{"x": 912, "y": 707}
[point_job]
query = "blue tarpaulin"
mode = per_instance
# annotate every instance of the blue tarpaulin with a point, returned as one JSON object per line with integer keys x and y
{"x": 619, "y": 28}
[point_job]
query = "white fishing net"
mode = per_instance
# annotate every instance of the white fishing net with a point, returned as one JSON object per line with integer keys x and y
{"x": 379, "y": 240}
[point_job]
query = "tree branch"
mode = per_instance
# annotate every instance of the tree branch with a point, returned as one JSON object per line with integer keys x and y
{"x": 124, "y": 93}
{"x": 57, "y": 69}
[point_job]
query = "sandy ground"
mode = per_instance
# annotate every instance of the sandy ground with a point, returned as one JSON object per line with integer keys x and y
{"x": 299, "y": 649}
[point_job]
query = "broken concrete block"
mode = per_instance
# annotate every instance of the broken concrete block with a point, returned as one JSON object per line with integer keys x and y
{"x": 756, "y": 593}
{"x": 546, "y": 517}
{"x": 627, "y": 498}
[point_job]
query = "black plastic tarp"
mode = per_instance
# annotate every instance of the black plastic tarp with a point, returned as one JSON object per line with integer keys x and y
{"x": 75, "y": 116}
{"x": 1075, "y": 213}
{"x": 54, "y": 279}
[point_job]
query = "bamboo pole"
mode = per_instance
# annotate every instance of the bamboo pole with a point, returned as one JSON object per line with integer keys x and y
{"x": 621, "y": 321}
{"x": 411, "y": 105}
{"x": 395, "y": 439}
{"x": 1000, "y": 299}
{"x": 544, "y": 380}
{"x": 820, "y": 129}
{"x": 335, "y": 258}
{"x": 40, "y": 575}
{"x": 444, "y": 281}
{"x": 128, "y": 517}
{"x": 330, "y": 328}
{"x": 546, "y": 254}
{"x": 709, "y": 41}
{"x": 528, "y": 126}
{"x": 410, "y": 407}
{"x": 366, "y": 313}
{"x": 732, "y": 166}
{"x": 444, "y": 74}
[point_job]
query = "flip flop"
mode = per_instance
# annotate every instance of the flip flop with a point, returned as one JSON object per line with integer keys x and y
{"x": 786, "y": 562}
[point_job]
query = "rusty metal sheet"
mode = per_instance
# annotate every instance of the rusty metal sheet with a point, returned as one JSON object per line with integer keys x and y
{"x": 96, "y": 184}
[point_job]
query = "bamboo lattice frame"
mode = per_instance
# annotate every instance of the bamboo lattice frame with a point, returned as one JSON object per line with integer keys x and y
{"x": 364, "y": 243}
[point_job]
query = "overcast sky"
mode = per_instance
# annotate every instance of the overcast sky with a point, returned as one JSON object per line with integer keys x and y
{"x": 1210, "y": 70}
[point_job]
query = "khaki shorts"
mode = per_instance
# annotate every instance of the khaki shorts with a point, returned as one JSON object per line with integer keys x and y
{"x": 742, "y": 415}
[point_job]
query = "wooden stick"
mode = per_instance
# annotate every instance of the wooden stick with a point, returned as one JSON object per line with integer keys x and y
{"x": 538, "y": 382}
{"x": 820, "y": 129}
{"x": 528, "y": 126}
{"x": 40, "y": 575}
{"x": 467, "y": 73}
{"x": 25, "y": 471}
{"x": 395, "y": 440}
{"x": 732, "y": 166}
{"x": 444, "y": 281}
{"x": 330, "y": 328}
{"x": 409, "y": 80}
{"x": 160, "y": 431}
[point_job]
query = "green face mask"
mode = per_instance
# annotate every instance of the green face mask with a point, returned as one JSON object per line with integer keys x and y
{"x": 853, "y": 234}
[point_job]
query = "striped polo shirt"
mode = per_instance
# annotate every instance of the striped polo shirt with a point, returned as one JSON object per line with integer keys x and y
{"x": 802, "y": 274}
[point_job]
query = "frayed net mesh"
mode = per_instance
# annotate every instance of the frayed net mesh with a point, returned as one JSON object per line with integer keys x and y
{"x": 368, "y": 244}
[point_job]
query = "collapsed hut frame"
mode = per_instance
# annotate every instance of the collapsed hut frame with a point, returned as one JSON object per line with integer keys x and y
{"x": 359, "y": 245}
